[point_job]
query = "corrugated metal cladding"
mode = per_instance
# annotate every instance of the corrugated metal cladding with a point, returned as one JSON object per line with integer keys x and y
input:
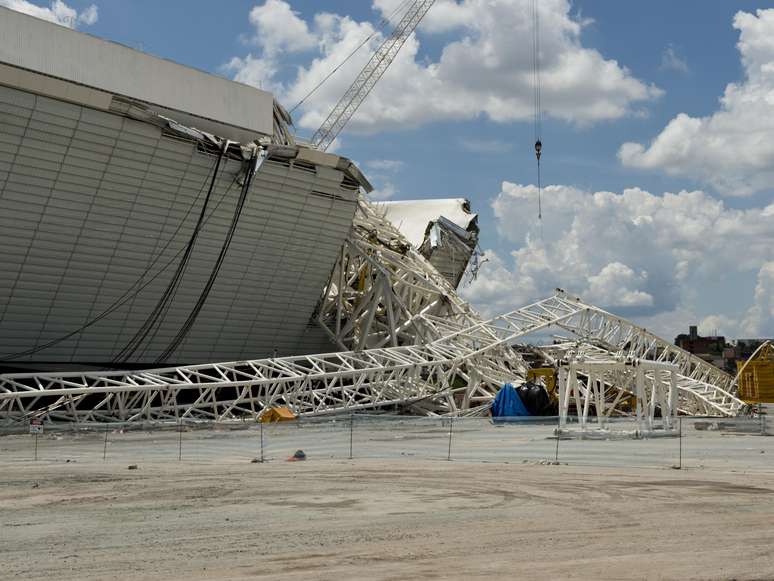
{"x": 93, "y": 205}
{"x": 450, "y": 260}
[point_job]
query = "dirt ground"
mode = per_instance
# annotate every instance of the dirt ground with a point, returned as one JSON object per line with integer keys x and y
{"x": 381, "y": 519}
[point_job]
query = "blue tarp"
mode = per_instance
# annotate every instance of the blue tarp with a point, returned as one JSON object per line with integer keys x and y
{"x": 508, "y": 404}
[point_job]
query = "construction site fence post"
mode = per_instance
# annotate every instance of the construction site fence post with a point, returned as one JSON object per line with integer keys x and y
{"x": 36, "y": 446}
{"x": 451, "y": 432}
{"x": 104, "y": 446}
{"x": 680, "y": 439}
{"x": 180, "y": 440}
{"x": 262, "y": 456}
{"x": 558, "y": 433}
{"x": 351, "y": 433}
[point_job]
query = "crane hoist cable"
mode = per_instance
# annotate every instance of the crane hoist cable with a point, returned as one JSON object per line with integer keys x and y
{"x": 379, "y": 27}
{"x": 380, "y": 61}
{"x": 536, "y": 82}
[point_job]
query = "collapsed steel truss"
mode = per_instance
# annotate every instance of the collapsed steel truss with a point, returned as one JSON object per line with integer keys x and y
{"x": 588, "y": 384}
{"x": 601, "y": 328}
{"x": 456, "y": 367}
{"x": 407, "y": 339}
{"x": 384, "y": 293}
{"x": 695, "y": 397}
{"x": 454, "y": 374}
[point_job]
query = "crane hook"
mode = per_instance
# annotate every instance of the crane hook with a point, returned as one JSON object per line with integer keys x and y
{"x": 538, "y": 149}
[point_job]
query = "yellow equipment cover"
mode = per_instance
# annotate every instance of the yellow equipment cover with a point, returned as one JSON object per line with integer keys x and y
{"x": 278, "y": 414}
{"x": 756, "y": 382}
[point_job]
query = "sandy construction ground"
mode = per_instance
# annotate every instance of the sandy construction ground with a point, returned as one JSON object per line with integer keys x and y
{"x": 381, "y": 519}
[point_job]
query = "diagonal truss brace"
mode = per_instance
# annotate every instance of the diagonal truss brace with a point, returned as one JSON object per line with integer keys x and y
{"x": 458, "y": 371}
{"x": 313, "y": 384}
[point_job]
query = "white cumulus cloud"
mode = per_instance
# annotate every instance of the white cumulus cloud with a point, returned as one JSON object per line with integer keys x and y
{"x": 672, "y": 61}
{"x": 254, "y": 71}
{"x": 390, "y": 165}
{"x": 384, "y": 190}
{"x": 279, "y": 29}
{"x": 719, "y": 325}
{"x": 759, "y": 320}
{"x": 642, "y": 255}
{"x": 730, "y": 150}
{"x": 616, "y": 284}
{"x": 486, "y": 69}
{"x": 57, "y": 12}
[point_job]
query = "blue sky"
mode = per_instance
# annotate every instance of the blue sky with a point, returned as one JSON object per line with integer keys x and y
{"x": 703, "y": 253}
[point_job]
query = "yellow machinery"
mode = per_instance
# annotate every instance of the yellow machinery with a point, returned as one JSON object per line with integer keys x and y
{"x": 756, "y": 376}
{"x": 549, "y": 378}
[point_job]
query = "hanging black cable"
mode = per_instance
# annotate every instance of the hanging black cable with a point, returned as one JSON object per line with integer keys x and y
{"x": 382, "y": 23}
{"x": 536, "y": 98}
{"x": 189, "y": 322}
{"x": 159, "y": 324}
{"x": 134, "y": 290}
{"x": 139, "y": 337}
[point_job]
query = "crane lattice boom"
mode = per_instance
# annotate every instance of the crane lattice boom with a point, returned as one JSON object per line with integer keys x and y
{"x": 368, "y": 77}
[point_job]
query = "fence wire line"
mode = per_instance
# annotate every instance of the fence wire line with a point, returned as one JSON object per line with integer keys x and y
{"x": 705, "y": 443}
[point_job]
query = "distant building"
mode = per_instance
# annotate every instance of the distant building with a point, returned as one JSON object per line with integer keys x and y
{"x": 710, "y": 348}
{"x": 714, "y": 348}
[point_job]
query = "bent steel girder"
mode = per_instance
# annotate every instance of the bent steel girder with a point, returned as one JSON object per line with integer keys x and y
{"x": 625, "y": 338}
{"x": 384, "y": 293}
{"x": 457, "y": 373}
{"x": 703, "y": 388}
{"x": 588, "y": 384}
{"x": 695, "y": 397}
{"x": 310, "y": 385}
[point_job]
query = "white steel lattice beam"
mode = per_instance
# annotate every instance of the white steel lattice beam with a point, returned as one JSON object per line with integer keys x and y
{"x": 588, "y": 384}
{"x": 695, "y": 397}
{"x": 383, "y": 292}
{"x": 313, "y": 384}
{"x": 627, "y": 339}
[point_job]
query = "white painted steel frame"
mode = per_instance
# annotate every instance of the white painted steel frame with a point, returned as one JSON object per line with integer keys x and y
{"x": 627, "y": 339}
{"x": 456, "y": 374}
{"x": 313, "y": 384}
{"x": 695, "y": 397}
{"x": 590, "y": 383}
{"x": 383, "y": 292}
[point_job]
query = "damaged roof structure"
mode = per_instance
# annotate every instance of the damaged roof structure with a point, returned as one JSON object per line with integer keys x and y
{"x": 165, "y": 223}
{"x": 445, "y": 231}
{"x": 125, "y": 226}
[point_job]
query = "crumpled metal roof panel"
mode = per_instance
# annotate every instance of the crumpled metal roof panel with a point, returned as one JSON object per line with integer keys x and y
{"x": 412, "y": 217}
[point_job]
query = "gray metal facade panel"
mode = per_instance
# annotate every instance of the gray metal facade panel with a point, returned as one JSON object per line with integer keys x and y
{"x": 91, "y": 210}
{"x": 59, "y": 52}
